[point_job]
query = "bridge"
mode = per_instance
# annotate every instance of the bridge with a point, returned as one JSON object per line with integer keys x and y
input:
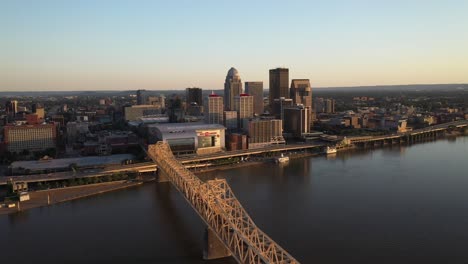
{"x": 228, "y": 222}
{"x": 411, "y": 136}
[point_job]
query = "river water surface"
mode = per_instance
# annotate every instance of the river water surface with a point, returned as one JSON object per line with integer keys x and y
{"x": 405, "y": 204}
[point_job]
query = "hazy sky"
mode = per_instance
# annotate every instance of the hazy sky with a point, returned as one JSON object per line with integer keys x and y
{"x": 173, "y": 44}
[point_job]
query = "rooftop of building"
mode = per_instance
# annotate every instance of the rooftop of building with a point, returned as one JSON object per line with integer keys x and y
{"x": 232, "y": 73}
{"x": 178, "y": 127}
{"x": 143, "y": 106}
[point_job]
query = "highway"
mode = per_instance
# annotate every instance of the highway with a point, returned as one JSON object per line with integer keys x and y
{"x": 149, "y": 166}
{"x": 86, "y": 173}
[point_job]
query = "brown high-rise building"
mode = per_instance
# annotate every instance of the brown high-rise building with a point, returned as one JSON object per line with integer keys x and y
{"x": 301, "y": 93}
{"x": 194, "y": 95}
{"x": 279, "y": 81}
{"x": 232, "y": 88}
{"x": 330, "y": 106}
{"x": 297, "y": 120}
{"x": 256, "y": 90}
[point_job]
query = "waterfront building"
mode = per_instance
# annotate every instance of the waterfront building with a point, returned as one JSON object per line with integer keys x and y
{"x": 279, "y": 81}
{"x": 189, "y": 138}
{"x": 264, "y": 132}
{"x": 135, "y": 112}
{"x": 256, "y": 90}
{"x": 297, "y": 121}
{"x": 301, "y": 94}
{"x": 232, "y": 88}
{"x": 236, "y": 141}
{"x": 214, "y": 109}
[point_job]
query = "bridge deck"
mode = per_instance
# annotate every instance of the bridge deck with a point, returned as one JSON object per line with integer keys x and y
{"x": 435, "y": 128}
{"x": 216, "y": 204}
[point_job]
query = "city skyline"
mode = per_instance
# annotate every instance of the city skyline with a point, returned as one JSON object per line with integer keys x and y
{"x": 157, "y": 45}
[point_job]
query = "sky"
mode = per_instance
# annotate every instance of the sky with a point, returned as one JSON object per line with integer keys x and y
{"x": 174, "y": 44}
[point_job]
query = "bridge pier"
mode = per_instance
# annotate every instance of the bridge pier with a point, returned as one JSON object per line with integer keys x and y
{"x": 161, "y": 176}
{"x": 214, "y": 248}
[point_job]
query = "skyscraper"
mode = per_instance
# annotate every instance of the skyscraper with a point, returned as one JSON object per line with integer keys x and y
{"x": 297, "y": 120}
{"x": 11, "y": 107}
{"x": 256, "y": 90}
{"x": 141, "y": 97}
{"x": 301, "y": 93}
{"x": 232, "y": 88}
{"x": 194, "y": 95}
{"x": 330, "y": 106}
{"x": 214, "y": 109}
{"x": 243, "y": 104}
{"x": 279, "y": 81}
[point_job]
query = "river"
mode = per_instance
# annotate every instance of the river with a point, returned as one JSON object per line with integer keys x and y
{"x": 405, "y": 204}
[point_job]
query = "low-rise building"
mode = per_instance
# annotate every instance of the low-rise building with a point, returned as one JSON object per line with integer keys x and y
{"x": 189, "y": 137}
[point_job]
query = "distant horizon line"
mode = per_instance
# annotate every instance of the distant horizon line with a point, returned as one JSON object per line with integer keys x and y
{"x": 215, "y": 89}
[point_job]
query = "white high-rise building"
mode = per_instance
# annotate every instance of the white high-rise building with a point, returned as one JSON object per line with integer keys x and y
{"x": 214, "y": 108}
{"x": 232, "y": 88}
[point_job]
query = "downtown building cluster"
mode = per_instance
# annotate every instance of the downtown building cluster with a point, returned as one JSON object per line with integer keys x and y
{"x": 260, "y": 121}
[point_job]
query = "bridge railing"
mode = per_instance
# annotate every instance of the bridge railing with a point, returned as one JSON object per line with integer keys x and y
{"x": 217, "y": 205}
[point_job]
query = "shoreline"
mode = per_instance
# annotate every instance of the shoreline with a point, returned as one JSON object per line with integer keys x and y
{"x": 250, "y": 163}
{"x": 43, "y": 198}
{"x": 298, "y": 156}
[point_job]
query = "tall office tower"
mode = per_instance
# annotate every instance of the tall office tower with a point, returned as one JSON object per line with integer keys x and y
{"x": 256, "y": 90}
{"x": 194, "y": 95}
{"x": 244, "y": 104}
{"x": 301, "y": 93}
{"x": 279, "y": 105}
{"x": 141, "y": 97}
{"x": 279, "y": 81}
{"x": 214, "y": 109}
{"x": 11, "y": 107}
{"x": 330, "y": 106}
{"x": 232, "y": 88}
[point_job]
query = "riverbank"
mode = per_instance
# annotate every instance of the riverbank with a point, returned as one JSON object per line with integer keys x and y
{"x": 250, "y": 163}
{"x": 59, "y": 195}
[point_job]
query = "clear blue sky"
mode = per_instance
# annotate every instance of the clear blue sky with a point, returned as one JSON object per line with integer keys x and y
{"x": 173, "y": 44}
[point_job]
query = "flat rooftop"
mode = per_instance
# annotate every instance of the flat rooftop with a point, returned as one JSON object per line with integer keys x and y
{"x": 186, "y": 127}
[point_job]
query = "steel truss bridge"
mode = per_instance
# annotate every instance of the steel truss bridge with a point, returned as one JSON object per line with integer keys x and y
{"x": 217, "y": 205}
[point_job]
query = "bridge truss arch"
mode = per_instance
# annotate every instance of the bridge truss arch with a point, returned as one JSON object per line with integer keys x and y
{"x": 216, "y": 204}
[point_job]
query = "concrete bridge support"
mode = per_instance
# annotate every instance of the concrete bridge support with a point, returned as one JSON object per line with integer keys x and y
{"x": 161, "y": 176}
{"x": 214, "y": 248}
